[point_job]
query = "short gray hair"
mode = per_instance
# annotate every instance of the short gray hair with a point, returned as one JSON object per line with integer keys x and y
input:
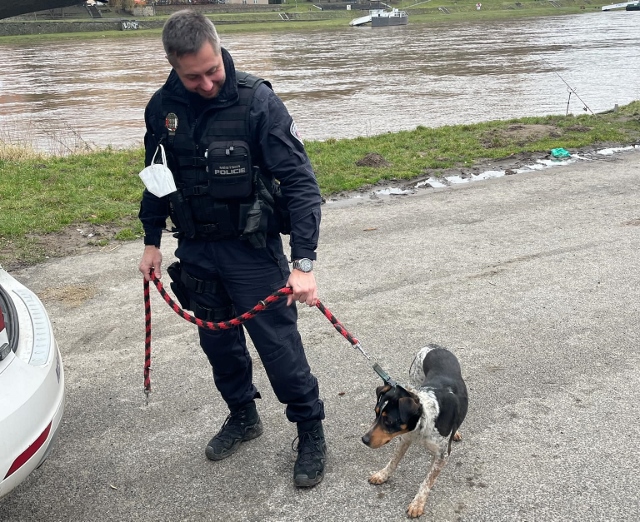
{"x": 185, "y": 32}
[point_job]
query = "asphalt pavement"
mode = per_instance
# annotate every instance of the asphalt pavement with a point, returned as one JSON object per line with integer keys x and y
{"x": 531, "y": 279}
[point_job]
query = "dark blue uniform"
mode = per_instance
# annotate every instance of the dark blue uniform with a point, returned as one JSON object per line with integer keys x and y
{"x": 242, "y": 274}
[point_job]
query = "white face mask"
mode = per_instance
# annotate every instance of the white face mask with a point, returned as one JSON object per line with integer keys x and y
{"x": 157, "y": 177}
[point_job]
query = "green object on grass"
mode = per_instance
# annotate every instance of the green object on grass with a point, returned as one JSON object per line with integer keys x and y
{"x": 560, "y": 153}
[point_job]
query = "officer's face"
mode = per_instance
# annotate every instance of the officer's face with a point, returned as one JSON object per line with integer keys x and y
{"x": 202, "y": 72}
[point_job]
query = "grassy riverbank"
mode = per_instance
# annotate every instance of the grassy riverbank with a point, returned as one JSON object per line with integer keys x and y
{"x": 57, "y": 205}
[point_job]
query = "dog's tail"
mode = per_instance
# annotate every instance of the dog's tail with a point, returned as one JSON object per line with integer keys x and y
{"x": 453, "y": 434}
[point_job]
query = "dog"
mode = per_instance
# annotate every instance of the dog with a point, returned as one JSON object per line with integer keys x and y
{"x": 429, "y": 415}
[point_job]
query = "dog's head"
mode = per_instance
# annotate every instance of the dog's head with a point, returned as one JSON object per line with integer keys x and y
{"x": 397, "y": 412}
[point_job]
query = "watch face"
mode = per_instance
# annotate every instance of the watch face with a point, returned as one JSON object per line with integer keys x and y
{"x": 306, "y": 265}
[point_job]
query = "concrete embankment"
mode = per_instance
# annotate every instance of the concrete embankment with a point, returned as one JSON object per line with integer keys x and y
{"x": 52, "y": 27}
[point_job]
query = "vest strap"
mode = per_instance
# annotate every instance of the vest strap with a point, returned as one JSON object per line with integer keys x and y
{"x": 198, "y": 190}
{"x": 191, "y": 162}
{"x": 213, "y": 315}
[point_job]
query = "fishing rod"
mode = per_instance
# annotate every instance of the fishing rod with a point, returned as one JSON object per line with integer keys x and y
{"x": 571, "y": 91}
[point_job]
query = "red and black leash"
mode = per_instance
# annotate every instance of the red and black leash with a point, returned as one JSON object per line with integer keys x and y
{"x": 232, "y": 323}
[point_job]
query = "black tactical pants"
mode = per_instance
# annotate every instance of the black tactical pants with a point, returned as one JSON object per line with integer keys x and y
{"x": 247, "y": 275}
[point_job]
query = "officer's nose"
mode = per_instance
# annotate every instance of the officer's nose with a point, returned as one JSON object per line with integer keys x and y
{"x": 206, "y": 84}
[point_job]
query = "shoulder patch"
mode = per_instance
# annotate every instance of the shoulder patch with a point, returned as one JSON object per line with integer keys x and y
{"x": 294, "y": 132}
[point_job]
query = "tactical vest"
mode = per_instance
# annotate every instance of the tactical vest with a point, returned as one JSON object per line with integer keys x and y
{"x": 221, "y": 192}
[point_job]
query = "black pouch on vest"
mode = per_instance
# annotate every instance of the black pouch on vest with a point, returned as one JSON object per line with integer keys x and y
{"x": 174, "y": 270}
{"x": 284, "y": 217}
{"x": 181, "y": 215}
{"x": 229, "y": 168}
{"x": 254, "y": 219}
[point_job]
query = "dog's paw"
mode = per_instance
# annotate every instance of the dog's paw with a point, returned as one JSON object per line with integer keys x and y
{"x": 378, "y": 478}
{"x": 415, "y": 509}
{"x": 457, "y": 437}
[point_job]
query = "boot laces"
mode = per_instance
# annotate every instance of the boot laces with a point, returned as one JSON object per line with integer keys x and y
{"x": 233, "y": 426}
{"x": 308, "y": 445}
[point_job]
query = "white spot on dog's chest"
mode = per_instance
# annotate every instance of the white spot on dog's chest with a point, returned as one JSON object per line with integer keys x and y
{"x": 426, "y": 433}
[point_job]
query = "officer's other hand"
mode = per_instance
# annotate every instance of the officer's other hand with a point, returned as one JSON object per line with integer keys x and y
{"x": 304, "y": 288}
{"x": 151, "y": 258}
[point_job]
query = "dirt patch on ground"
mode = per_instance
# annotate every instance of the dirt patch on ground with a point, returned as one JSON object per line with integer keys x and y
{"x": 69, "y": 295}
{"x": 74, "y": 240}
{"x": 519, "y": 134}
{"x": 534, "y": 132}
{"x": 373, "y": 159}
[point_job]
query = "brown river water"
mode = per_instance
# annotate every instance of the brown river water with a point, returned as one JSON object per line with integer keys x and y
{"x": 356, "y": 81}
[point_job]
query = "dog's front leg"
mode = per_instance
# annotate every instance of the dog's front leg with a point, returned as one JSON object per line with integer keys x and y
{"x": 383, "y": 475}
{"x": 416, "y": 508}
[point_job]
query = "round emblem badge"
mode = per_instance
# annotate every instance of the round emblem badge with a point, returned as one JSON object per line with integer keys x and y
{"x": 171, "y": 122}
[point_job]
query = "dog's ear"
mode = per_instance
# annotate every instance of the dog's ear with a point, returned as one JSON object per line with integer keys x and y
{"x": 382, "y": 389}
{"x": 410, "y": 411}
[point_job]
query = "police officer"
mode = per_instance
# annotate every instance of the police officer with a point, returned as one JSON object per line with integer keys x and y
{"x": 242, "y": 177}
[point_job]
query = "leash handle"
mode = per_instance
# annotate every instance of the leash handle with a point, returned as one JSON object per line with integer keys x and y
{"x": 147, "y": 340}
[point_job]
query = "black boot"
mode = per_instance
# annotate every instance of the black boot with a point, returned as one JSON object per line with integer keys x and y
{"x": 240, "y": 426}
{"x": 312, "y": 451}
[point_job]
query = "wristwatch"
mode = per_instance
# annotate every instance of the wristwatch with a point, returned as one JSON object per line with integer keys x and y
{"x": 304, "y": 265}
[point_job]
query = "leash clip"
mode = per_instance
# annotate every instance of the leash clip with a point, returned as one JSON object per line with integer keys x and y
{"x": 359, "y": 347}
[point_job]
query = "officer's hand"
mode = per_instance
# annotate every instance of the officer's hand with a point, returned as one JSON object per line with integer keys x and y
{"x": 151, "y": 258}
{"x": 304, "y": 288}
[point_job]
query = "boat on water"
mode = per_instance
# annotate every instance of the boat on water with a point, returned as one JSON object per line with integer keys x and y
{"x": 633, "y": 7}
{"x": 386, "y": 18}
{"x": 382, "y": 18}
{"x": 621, "y": 5}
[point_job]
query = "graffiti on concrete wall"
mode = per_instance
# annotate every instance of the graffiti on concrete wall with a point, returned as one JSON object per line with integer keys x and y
{"x": 128, "y": 25}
